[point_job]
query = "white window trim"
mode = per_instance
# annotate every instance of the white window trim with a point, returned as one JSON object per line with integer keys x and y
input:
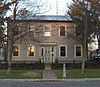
{"x": 43, "y": 51}
{"x": 27, "y": 50}
{"x": 44, "y": 30}
{"x": 65, "y": 30}
{"x": 18, "y": 51}
{"x": 47, "y": 34}
{"x": 65, "y": 50}
{"x": 75, "y": 51}
{"x": 32, "y": 29}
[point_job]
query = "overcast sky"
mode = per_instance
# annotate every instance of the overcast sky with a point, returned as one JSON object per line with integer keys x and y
{"x": 51, "y": 5}
{"x": 62, "y": 6}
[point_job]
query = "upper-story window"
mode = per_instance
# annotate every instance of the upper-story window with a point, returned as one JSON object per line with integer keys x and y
{"x": 47, "y": 34}
{"x": 78, "y": 31}
{"x": 62, "y": 30}
{"x": 16, "y": 30}
{"x": 47, "y": 30}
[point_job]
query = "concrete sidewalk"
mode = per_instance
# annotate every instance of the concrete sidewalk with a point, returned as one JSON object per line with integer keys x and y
{"x": 52, "y": 80}
{"x": 49, "y": 74}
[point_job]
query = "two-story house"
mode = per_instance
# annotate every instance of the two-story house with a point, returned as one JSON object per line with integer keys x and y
{"x": 50, "y": 38}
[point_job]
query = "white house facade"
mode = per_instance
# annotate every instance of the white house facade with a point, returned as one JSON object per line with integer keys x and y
{"x": 50, "y": 38}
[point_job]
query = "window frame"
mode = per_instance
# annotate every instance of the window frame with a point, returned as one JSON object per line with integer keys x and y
{"x": 60, "y": 50}
{"x": 75, "y": 51}
{"x": 60, "y": 28}
{"x": 47, "y": 31}
{"x": 28, "y": 50}
{"x": 1, "y": 52}
{"x": 77, "y": 34}
{"x": 32, "y": 29}
{"x": 18, "y": 51}
{"x": 18, "y": 30}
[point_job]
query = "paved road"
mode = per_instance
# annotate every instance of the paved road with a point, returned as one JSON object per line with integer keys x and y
{"x": 50, "y": 84}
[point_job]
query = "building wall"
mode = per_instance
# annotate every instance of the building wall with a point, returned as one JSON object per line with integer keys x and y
{"x": 38, "y": 37}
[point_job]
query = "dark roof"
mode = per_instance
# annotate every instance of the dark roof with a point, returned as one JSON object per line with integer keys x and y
{"x": 45, "y": 18}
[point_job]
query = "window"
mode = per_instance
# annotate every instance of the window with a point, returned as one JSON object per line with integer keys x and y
{"x": 31, "y": 50}
{"x": 63, "y": 51}
{"x": 47, "y": 34}
{"x": 31, "y": 31}
{"x": 78, "y": 31}
{"x": 62, "y": 30}
{"x": 1, "y": 53}
{"x": 47, "y": 31}
{"x": 78, "y": 51}
{"x": 16, "y": 30}
{"x": 16, "y": 50}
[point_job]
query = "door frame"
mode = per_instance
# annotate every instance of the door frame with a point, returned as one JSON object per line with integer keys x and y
{"x": 52, "y": 54}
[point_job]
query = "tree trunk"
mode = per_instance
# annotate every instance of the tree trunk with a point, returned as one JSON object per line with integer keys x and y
{"x": 9, "y": 56}
{"x": 84, "y": 44}
{"x": 85, "y": 54}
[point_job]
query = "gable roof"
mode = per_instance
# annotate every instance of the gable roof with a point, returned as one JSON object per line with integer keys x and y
{"x": 45, "y": 18}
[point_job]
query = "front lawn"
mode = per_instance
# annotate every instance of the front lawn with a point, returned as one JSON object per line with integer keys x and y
{"x": 75, "y": 74}
{"x": 21, "y": 74}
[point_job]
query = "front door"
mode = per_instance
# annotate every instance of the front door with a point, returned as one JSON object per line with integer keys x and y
{"x": 48, "y": 54}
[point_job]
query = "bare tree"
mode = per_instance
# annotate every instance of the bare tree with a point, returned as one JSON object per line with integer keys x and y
{"x": 21, "y": 10}
{"x": 85, "y": 15}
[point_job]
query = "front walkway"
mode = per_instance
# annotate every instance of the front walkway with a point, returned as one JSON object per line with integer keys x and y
{"x": 48, "y": 74}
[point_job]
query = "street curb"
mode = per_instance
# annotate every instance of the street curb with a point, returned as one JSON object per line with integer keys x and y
{"x": 51, "y": 80}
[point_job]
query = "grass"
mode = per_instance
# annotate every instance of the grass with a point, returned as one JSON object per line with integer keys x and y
{"x": 37, "y": 74}
{"x": 21, "y": 74}
{"x": 75, "y": 74}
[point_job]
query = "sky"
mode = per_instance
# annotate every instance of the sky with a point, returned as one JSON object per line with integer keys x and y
{"x": 62, "y": 6}
{"x": 52, "y": 5}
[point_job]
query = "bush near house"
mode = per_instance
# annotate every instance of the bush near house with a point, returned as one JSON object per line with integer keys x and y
{"x": 23, "y": 66}
{"x": 69, "y": 66}
{"x": 56, "y": 66}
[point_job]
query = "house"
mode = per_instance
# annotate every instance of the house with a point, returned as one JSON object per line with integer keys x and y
{"x": 49, "y": 39}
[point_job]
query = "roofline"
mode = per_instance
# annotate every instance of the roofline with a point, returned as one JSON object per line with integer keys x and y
{"x": 45, "y": 20}
{"x": 65, "y": 20}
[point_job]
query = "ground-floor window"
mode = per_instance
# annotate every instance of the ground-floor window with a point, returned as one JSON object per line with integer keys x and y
{"x": 63, "y": 50}
{"x": 16, "y": 50}
{"x": 31, "y": 50}
{"x": 78, "y": 50}
{"x": 1, "y": 52}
